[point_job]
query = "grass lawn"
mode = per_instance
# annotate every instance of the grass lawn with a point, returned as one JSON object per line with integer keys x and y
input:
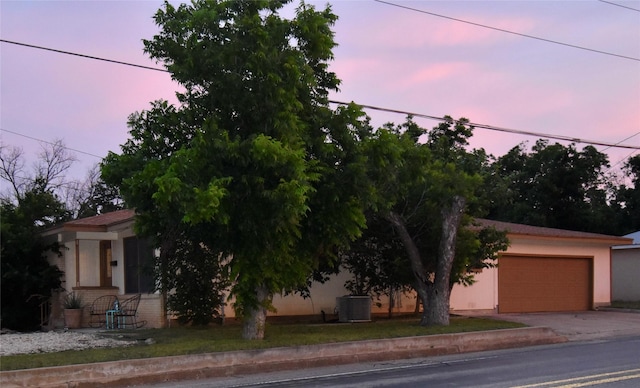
{"x": 193, "y": 340}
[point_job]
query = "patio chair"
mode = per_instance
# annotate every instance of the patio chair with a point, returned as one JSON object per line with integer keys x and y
{"x": 128, "y": 313}
{"x": 99, "y": 308}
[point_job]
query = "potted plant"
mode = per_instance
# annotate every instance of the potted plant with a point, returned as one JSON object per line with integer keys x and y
{"x": 72, "y": 305}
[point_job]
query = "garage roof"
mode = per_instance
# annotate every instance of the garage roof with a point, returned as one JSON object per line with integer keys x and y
{"x": 539, "y": 231}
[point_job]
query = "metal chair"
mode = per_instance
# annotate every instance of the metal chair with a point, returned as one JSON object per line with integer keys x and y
{"x": 99, "y": 308}
{"x": 127, "y": 315}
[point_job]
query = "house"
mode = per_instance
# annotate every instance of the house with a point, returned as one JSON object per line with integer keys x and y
{"x": 625, "y": 270}
{"x": 103, "y": 256}
{"x": 544, "y": 269}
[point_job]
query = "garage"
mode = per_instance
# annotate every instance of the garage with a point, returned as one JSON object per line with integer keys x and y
{"x": 539, "y": 284}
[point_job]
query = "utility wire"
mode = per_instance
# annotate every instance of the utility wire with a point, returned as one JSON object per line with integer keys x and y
{"x": 506, "y": 31}
{"x": 619, "y": 5}
{"x": 83, "y": 55}
{"x": 476, "y": 125}
{"x": 501, "y": 129}
{"x": 622, "y": 160}
{"x": 48, "y": 142}
{"x": 625, "y": 139}
{"x": 625, "y": 158}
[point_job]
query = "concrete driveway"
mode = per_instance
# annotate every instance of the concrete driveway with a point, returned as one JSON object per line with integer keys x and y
{"x": 584, "y": 325}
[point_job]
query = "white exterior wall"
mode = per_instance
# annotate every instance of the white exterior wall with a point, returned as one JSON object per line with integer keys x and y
{"x": 482, "y": 295}
{"x": 323, "y": 298}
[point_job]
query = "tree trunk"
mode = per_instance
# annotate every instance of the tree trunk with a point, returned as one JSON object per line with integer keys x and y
{"x": 167, "y": 249}
{"x": 433, "y": 289}
{"x": 440, "y": 292}
{"x": 417, "y": 267}
{"x": 437, "y": 313}
{"x": 255, "y": 318}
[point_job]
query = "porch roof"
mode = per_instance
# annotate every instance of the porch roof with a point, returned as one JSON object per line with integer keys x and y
{"x": 99, "y": 223}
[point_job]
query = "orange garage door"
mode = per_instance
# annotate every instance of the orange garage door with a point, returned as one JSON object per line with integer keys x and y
{"x": 536, "y": 284}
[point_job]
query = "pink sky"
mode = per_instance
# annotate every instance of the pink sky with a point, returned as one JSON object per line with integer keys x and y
{"x": 387, "y": 57}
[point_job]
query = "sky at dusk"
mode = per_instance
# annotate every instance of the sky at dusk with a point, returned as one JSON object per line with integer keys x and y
{"x": 387, "y": 56}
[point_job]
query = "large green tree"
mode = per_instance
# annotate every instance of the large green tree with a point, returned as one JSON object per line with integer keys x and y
{"x": 254, "y": 161}
{"x": 428, "y": 190}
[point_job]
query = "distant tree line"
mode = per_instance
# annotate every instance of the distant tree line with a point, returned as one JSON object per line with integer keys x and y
{"x": 562, "y": 187}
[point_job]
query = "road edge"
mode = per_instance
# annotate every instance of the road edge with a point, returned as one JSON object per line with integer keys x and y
{"x": 209, "y": 365}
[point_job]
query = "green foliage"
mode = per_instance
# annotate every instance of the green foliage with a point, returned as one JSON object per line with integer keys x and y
{"x": 377, "y": 260}
{"x": 27, "y": 277}
{"x": 416, "y": 184}
{"x": 254, "y": 161}
{"x": 198, "y": 283}
{"x": 554, "y": 186}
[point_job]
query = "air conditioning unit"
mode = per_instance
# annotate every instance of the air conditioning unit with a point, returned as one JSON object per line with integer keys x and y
{"x": 354, "y": 308}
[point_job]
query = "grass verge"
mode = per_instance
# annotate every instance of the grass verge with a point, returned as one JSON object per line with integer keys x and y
{"x": 193, "y": 340}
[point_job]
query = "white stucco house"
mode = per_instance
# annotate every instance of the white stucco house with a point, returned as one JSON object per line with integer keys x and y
{"x": 544, "y": 269}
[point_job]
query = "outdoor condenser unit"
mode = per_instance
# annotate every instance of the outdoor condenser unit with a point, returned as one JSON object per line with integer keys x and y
{"x": 354, "y": 308}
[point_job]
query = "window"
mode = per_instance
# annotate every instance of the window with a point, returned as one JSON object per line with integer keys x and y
{"x": 138, "y": 266}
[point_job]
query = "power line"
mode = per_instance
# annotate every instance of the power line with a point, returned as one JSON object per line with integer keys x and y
{"x": 622, "y": 160}
{"x": 625, "y": 139}
{"x": 48, "y": 142}
{"x": 625, "y": 157}
{"x": 501, "y": 129}
{"x": 83, "y": 55}
{"x": 506, "y": 31}
{"x": 477, "y": 125}
{"x": 619, "y": 5}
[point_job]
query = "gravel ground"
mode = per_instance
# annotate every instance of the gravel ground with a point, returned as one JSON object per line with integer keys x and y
{"x": 54, "y": 341}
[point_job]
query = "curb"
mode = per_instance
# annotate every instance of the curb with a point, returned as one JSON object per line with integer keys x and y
{"x": 209, "y": 365}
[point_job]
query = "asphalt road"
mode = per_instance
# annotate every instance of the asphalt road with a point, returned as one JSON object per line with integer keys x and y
{"x": 610, "y": 363}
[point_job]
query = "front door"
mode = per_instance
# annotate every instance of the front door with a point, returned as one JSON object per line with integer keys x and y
{"x": 105, "y": 264}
